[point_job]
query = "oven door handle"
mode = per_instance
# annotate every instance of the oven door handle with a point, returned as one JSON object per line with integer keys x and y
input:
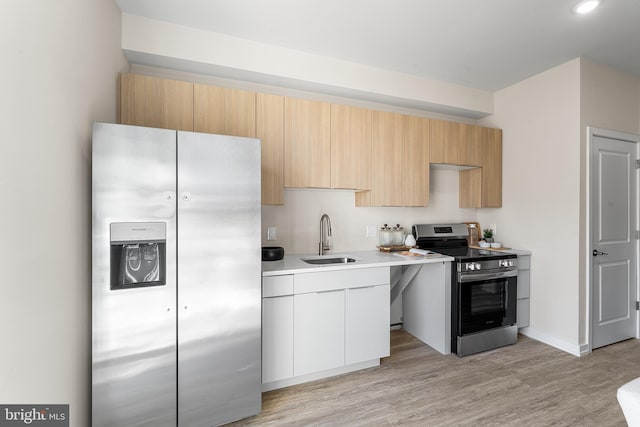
{"x": 476, "y": 277}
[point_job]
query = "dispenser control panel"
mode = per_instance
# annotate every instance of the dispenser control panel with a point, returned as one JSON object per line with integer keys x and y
{"x": 138, "y": 254}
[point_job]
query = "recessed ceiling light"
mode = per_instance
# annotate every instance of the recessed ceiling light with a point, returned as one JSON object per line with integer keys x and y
{"x": 585, "y": 6}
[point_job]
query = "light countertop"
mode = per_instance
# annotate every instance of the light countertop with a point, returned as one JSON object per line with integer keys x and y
{"x": 292, "y": 264}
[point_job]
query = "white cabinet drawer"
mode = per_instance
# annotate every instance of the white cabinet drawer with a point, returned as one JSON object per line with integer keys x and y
{"x": 334, "y": 280}
{"x": 273, "y": 286}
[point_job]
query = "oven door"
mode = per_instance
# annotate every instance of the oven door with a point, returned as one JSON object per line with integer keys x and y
{"x": 486, "y": 301}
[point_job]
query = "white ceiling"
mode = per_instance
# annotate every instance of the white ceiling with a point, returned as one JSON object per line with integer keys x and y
{"x": 482, "y": 44}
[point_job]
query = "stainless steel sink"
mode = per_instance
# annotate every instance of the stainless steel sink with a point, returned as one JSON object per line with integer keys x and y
{"x": 340, "y": 260}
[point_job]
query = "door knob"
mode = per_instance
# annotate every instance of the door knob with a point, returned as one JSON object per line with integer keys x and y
{"x": 597, "y": 252}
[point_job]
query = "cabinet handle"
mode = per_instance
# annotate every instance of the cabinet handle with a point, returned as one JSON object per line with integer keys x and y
{"x": 332, "y": 290}
{"x": 364, "y": 287}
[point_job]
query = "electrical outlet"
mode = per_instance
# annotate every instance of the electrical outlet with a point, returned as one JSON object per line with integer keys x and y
{"x": 271, "y": 233}
{"x": 372, "y": 231}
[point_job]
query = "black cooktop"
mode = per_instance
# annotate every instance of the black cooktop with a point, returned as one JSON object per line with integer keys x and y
{"x": 471, "y": 254}
{"x": 458, "y": 248}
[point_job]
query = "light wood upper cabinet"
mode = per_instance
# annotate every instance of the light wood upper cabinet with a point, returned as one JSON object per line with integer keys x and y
{"x": 492, "y": 168}
{"x": 470, "y": 145}
{"x": 155, "y": 102}
{"x": 400, "y": 161}
{"x": 444, "y": 142}
{"x": 482, "y": 187}
{"x": 386, "y": 156}
{"x": 350, "y": 147}
{"x": 270, "y": 130}
{"x": 470, "y": 188}
{"x": 307, "y": 143}
{"x": 415, "y": 161}
{"x": 320, "y": 145}
{"x": 224, "y": 111}
{"x": 456, "y": 143}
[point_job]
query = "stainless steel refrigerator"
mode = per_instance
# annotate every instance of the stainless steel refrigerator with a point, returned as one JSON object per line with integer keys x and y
{"x": 176, "y": 311}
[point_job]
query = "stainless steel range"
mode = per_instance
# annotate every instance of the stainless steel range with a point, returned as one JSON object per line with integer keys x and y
{"x": 483, "y": 289}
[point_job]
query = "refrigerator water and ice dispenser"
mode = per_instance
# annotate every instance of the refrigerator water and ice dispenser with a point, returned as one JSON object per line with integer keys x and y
{"x": 138, "y": 254}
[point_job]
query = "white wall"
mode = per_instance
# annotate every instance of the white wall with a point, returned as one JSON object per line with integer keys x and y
{"x": 609, "y": 99}
{"x": 298, "y": 220}
{"x": 59, "y": 70}
{"x": 540, "y": 118}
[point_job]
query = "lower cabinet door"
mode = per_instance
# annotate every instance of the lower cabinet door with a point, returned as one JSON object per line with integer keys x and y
{"x": 277, "y": 338}
{"x": 367, "y": 324}
{"x": 522, "y": 312}
{"x": 318, "y": 332}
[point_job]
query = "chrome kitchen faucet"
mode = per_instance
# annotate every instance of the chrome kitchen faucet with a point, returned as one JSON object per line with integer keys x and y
{"x": 324, "y": 244}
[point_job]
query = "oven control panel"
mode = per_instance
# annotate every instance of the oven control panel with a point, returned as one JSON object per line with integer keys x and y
{"x": 472, "y": 266}
{"x": 506, "y": 263}
{"x": 487, "y": 265}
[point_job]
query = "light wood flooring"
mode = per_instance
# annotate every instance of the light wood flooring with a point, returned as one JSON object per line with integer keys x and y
{"x": 527, "y": 384}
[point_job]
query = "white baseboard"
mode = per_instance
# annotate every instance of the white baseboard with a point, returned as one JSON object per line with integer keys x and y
{"x": 574, "y": 349}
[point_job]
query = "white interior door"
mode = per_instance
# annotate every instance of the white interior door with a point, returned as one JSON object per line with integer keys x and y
{"x": 613, "y": 237}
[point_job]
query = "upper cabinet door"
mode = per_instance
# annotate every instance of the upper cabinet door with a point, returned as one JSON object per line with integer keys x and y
{"x": 470, "y": 145}
{"x": 224, "y": 111}
{"x": 350, "y": 147}
{"x": 387, "y": 147}
{"x": 155, "y": 102}
{"x": 444, "y": 142}
{"x": 492, "y": 168}
{"x": 270, "y": 130}
{"x": 415, "y": 161}
{"x": 307, "y": 143}
{"x": 482, "y": 187}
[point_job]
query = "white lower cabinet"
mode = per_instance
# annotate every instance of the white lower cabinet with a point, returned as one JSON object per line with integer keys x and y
{"x": 277, "y": 338}
{"x": 323, "y": 323}
{"x": 318, "y": 331}
{"x": 367, "y": 323}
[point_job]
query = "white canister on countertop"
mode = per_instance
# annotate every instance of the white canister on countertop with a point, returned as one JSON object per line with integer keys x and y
{"x": 385, "y": 236}
{"x": 398, "y": 235}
